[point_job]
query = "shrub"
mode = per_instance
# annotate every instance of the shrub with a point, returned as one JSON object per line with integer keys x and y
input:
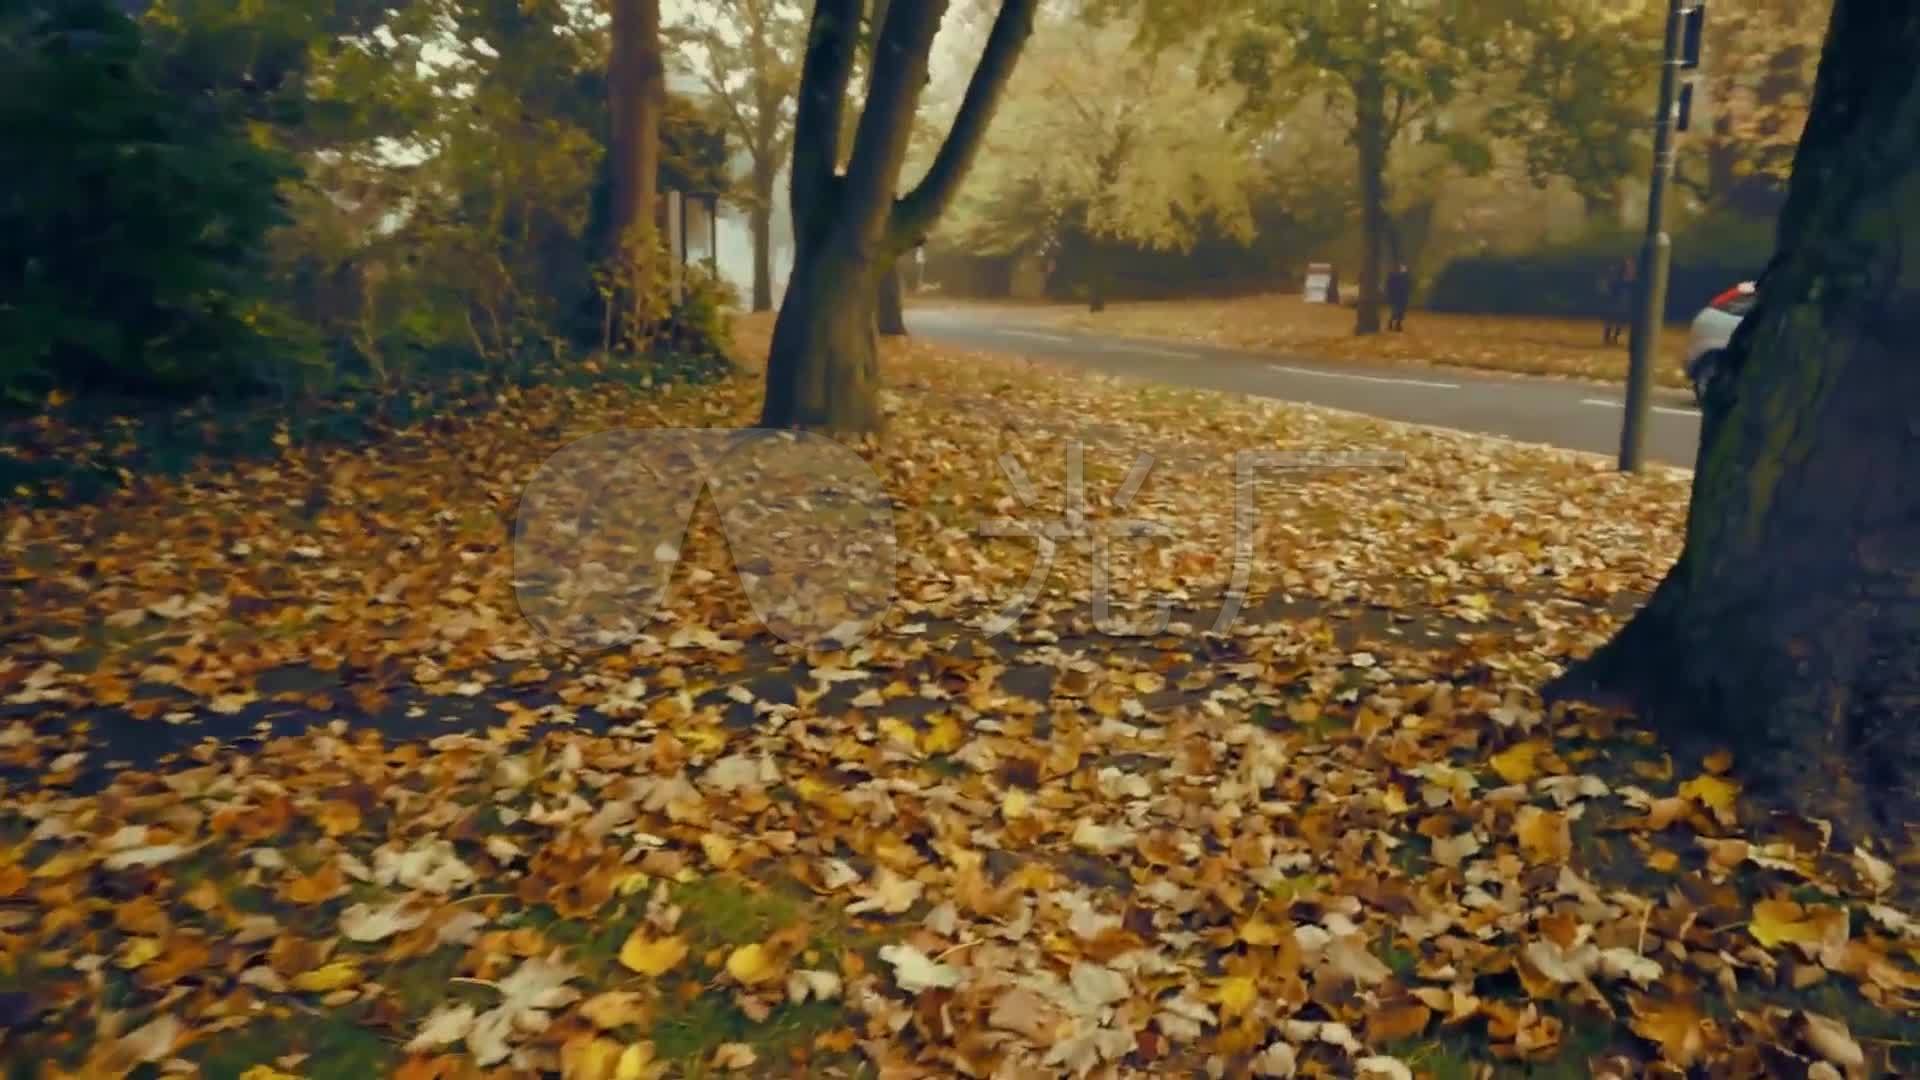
{"x": 133, "y": 224}
{"x": 1566, "y": 280}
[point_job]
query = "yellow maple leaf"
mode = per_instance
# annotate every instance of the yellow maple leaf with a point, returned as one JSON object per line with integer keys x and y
{"x": 1236, "y": 994}
{"x": 900, "y": 731}
{"x": 138, "y": 952}
{"x": 1518, "y": 763}
{"x": 588, "y": 1057}
{"x": 1015, "y": 804}
{"x": 636, "y": 1063}
{"x": 1544, "y": 835}
{"x": 1678, "y": 1028}
{"x": 1777, "y": 922}
{"x": 751, "y": 964}
{"x": 650, "y": 956}
{"x": 944, "y": 735}
{"x": 337, "y": 817}
{"x": 1716, "y": 793}
{"x": 328, "y": 977}
{"x": 720, "y": 850}
{"x": 1258, "y": 931}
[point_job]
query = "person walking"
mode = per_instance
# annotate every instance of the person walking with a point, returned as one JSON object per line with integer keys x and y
{"x": 1619, "y": 300}
{"x": 1399, "y": 295}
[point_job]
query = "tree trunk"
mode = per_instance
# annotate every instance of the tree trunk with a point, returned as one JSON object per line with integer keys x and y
{"x": 760, "y": 223}
{"x": 1370, "y": 139}
{"x": 822, "y": 370}
{"x": 824, "y": 346}
{"x": 637, "y": 87}
{"x": 890, "y": 316}
{"x": 1789, "y": 629}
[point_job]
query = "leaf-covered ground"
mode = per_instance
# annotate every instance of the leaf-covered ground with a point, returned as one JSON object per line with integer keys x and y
{"x": 1285, "y": 323}
{"x": 293, "y": 790}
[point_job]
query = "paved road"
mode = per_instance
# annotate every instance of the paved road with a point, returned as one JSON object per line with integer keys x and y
{"x": 1577, "y": 415}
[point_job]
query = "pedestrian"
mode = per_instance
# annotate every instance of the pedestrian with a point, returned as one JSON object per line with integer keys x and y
{"x": 1399, "y": 294}
{"x": 1333, "y": 287}
{"x": 1618, "y": 288}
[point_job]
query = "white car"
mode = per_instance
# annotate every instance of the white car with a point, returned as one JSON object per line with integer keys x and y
{"x": 1712, "y": 329}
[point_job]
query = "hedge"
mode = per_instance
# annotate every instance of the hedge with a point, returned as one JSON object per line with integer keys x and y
{"x": 1708, "y": 258}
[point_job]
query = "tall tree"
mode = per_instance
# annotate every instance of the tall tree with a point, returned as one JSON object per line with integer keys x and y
{"x": 849, "y": 225}
{"x": 747, "y": 56}
{"x": 637, "y": 94}
{"x": 1789, "y": 628}
{"x": 1389, "y": 63}
{"x": 1101, "y": 138}
{"x": 1580, "y": 96}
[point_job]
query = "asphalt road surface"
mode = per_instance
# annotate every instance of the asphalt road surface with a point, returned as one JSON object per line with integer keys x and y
{"x": 1559, "y": 412}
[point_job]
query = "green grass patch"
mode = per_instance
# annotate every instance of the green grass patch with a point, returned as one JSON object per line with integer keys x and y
{"x": 336, "y": 1045}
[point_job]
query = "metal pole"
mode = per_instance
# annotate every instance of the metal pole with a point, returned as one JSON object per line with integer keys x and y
{"x": 1650, "y": 299}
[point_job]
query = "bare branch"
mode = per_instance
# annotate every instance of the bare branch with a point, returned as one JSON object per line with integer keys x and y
{"x": 916, "y": 212}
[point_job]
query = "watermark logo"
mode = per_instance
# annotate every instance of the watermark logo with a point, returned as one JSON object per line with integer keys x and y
{"x": 601, "y": 526}
{"x": 809, "y": 524}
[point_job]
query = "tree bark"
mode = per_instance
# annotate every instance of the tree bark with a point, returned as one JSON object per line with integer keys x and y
{"x": 637, "y": 86}
{"x": 890, "y": 317}
{"x": 1789, "y": 629}
{"x": 824, "y": 346}
{"x": 1370, "y": 139}
{"x": 760, "y": 223}
{"x": 848, "y": 226}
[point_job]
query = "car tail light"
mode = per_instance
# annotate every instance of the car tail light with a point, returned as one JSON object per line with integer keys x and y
{"x": 1736, "y": 299}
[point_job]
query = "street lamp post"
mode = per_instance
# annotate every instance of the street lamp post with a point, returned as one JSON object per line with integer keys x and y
{"x": 1682, "y": 50}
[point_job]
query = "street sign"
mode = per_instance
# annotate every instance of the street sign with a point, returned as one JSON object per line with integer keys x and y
{"x": 1319, "y": 281}
{"x": 1692, "y": 28}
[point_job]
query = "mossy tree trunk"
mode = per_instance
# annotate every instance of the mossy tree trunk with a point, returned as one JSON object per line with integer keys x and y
{"x": 1789, "y": 629}
{"x": 891, "y": 316}
{"x": 848, "y": 225}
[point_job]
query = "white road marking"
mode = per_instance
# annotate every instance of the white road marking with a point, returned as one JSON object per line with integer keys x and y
{"x": 1668, "y": 409}
{"x": 1147, "y": 350}
{"x": 1036, "y": 335}
{"x": 1363, "y": 378}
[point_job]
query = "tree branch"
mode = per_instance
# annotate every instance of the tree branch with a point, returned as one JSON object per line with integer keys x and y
{"x": 916, "y": 212}
{"x": 715, "y": 76}
{"x": 896, "y": 74}
{"x": 824, "y": 75}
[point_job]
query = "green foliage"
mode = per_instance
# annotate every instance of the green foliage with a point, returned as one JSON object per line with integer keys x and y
{"x": 699, "y": 327}
{"x": 312, "y": 196}
{"x": 132, "y": 233}
{"x": 1582, "y": 96}
{"x": 1101, "y": 142}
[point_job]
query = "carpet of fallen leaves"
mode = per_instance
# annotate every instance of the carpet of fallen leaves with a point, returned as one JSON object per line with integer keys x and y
{"x": 292, "y": 790}
{"x": 1286, "y": 323}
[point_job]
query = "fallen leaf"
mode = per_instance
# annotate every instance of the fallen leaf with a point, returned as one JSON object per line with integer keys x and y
{"x": 652, "y": 956}
{"x": 914, "y": 972}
